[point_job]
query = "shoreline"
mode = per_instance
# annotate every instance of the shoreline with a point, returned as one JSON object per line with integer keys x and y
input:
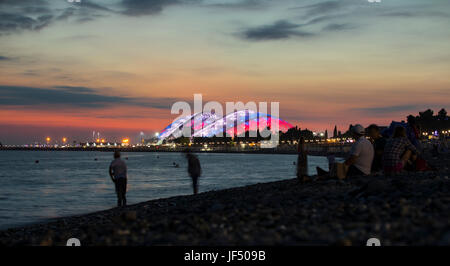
{"x": 259, "y": 151}
{"x": 410, "y": 209}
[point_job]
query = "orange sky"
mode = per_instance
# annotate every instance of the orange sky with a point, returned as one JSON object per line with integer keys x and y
{"x": 117, "y": 68}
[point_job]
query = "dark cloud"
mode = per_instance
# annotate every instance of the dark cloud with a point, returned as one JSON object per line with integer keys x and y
{"x": 75, "y": 89}
{"x": 322, "y": 8}
{"x": 36, "y": 10}
{"x": 94, "y": 6}
{"x": 76, "y": 97}
{"x": 84, "y": 11}
{"x": 146, "y": 7}
{"x": 5, "y": 58}
{"x": 30, "y": 72}
{"x": 14, "y": 22}
{"x": 244, "y": 4}
{"x": 338, "y": 27}
{"x": 398, "y": 14}
{"x": 35, "y": 15}
{"x": 387, "y": 109}
{"x": 43, "y": 21}
{"x": 28, "y": 2}
{"x": 31, "y": 6}
{"x": 333, "y": 12}
{"x": 152, "y": 7}
{"x": 346, "y": 8}
{"x": 416, "y": 13}
{"x": 321, "y": 19}
{"x": 23, "y": 15}
{"x": 281, "y": 29}
{"x": 67, "y": 13}
{"x": 327, "y": 15}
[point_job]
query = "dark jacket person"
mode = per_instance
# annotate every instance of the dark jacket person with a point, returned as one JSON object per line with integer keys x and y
{"x": 194, "y": 170}
{"x": 379, "y": 142}
{"x": 118, "y": 174}
{"x": 302, "y": 161}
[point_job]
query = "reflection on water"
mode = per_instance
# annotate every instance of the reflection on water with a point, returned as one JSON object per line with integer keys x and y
{"x": 67, "y": 183}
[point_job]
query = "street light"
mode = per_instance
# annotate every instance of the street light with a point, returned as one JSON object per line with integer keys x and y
{"x": 126, "y": 142}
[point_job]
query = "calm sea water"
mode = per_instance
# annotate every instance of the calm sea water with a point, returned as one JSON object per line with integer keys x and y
{"x": 68, "y": 183}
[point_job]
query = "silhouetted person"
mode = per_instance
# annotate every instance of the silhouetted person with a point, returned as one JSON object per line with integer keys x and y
{"x": 414, "y": 135}
{"x": 302, "y": 161}
{"x": 398, "y": 151}
{"x": 379, "y": 142}
{"x": 194, "y": 170}
{"x": 118, "y": 173}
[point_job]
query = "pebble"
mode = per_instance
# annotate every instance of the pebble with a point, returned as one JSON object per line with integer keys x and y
{"x": 130, "y": 216}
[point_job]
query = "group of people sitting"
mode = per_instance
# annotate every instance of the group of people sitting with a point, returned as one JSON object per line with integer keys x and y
{"x": 378, "y": 153}
{"x": 370, "y": 153}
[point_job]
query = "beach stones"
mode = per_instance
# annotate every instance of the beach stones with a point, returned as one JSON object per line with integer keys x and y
{"x": 129, "y": 216}
{"x": 216, "y": 207}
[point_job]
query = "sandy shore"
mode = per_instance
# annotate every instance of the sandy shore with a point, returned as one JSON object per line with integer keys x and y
{"x": 412, "y": 209}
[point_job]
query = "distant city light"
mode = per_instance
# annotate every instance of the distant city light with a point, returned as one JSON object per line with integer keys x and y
{"x": 126, "y": 141}
{"x": 48, "y": 139}
{"x": 64, "y": 140}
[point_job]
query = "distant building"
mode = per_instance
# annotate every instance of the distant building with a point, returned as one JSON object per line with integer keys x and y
{"x": 209, "y": 124}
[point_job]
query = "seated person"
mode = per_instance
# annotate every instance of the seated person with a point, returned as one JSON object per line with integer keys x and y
{"x": 361, "y": 154}
{"x": 379, "y": 142}
{"x": 398, "y": 151}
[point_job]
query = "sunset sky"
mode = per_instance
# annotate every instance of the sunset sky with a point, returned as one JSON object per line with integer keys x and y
{"x": 117, "y": 66}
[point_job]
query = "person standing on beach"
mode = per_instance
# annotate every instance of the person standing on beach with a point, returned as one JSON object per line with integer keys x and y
{"x": 302, "y": 161}
{"x": 118, "y": 174}
{"x": 194, "y": 169}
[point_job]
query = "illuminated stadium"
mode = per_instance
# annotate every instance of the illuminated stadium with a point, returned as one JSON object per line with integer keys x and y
{"x": 209, "y": 124}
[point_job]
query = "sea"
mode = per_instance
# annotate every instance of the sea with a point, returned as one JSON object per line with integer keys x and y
{"x": 37, "y": 186}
